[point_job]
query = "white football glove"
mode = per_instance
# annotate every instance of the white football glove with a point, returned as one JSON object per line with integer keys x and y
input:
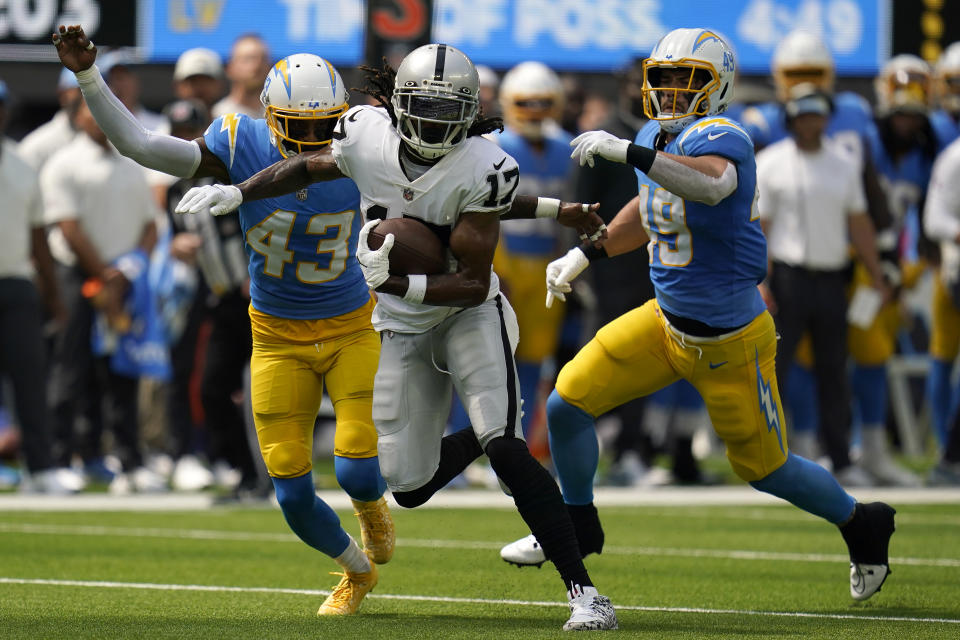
{"x": 599, "y": 143}
{"x": 218, "y": 198}
{"x": 374, "y": 264}
{"x": 561, "y": 271}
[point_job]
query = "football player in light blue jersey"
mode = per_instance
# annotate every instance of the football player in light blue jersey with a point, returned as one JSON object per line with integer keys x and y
{"x": 904, "y": 155}
{"x": 531, "y": 99}
{"x": 696, "y": 210}
{"x": 310, "y": 306}
{"x": 945, "y": 120}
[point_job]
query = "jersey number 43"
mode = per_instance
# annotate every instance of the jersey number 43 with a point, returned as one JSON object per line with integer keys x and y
{"x": 271, "y": 239}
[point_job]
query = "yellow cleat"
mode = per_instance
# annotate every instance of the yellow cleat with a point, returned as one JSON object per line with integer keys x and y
{"x": 376, "y": 529}
{"x": 346, "y": 597}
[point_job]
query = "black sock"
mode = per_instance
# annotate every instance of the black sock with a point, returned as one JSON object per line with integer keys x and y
{"x": 457, "y": 450}
{"x": 868, "y": 533}
{"x": 685, "y": 467}
{"x": 540, "y": 505}
{"x": 586, "y": 522}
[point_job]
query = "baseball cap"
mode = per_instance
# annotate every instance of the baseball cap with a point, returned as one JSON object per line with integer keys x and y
{"x": 198, "y": 62}
{"x": 808, "y": 98}
{"x": 187, "y": 113}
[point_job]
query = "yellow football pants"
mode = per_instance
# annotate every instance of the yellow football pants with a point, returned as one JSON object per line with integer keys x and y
{"x": 292, "y": 361}
{"x": 639, "y": 353}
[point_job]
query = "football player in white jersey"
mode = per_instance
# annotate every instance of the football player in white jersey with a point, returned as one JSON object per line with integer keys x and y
{"x": 422, "y": 156}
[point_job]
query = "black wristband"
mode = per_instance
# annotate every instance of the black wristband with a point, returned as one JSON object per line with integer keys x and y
{"x": 641, "y": 157}
{"x": 592, "y": 252}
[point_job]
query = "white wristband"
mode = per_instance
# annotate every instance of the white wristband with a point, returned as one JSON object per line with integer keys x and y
{"x": 88, "y": 76}
{"x": 416, "y": 289}
{"x": 547, "y": 208}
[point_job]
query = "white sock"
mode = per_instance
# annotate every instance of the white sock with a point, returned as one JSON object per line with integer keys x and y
{"x": 353, "y": 559}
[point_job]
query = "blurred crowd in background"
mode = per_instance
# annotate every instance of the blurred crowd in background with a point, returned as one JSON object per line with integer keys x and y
{"x": 125, "y": 335}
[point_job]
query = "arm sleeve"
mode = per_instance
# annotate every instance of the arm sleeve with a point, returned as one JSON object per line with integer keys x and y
{"x": 941, "y": 214}
{"x": 163, "y": 153}
{"x": 692, "y": 184}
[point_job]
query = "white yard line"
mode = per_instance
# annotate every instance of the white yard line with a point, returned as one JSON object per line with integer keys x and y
{"x": 447, "y": 599}
{"x": 252, "y": 536}
{"x": 472, "y": 499}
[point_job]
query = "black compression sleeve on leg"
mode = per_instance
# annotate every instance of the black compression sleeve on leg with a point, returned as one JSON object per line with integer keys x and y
{"x": 457, "y": 450}
{"x": 540, "y": 505}
{"x": 586, "y": 522}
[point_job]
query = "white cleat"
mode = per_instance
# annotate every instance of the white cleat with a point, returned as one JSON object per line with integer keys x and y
{"x": 866, "y": 579}
{"x": 525, "y": 552}
{"x": 590, "y": 611}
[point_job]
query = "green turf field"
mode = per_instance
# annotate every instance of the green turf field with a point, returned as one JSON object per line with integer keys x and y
{"x": 674, "y": 572}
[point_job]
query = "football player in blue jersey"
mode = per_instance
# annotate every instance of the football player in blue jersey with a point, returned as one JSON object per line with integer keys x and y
{"x": 310, "y": 307}
{"x": 696, "y": 211}
{"x": 531, "y": 100}
{"x": 903, "y": 155}
{"x": 946, "y": 77}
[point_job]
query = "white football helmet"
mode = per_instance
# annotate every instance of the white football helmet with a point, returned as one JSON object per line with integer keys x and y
{"x": 303, "y": 96}
{"x": 530, "y": 94}
{"x": 708, "y": 85}
{"x": 802, "y": 57}
{"x": 947, "y": 79}
{"x": 904, "y": 85}
{"x": 435, "y": 99}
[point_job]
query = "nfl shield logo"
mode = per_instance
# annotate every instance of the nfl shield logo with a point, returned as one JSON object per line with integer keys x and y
{"x": 302, "y": 195}
{"x": 408, "y": 194}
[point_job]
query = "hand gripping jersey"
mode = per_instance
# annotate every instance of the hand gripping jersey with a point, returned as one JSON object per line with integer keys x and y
{"x": 543, "y": 173}
{"x": 301, "y": 246}
{"x": 476, "y": 176}
{"x": 706, "y": 261}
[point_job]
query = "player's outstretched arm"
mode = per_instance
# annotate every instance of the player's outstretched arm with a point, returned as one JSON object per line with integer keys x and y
{"x": 582, "y": 218}
{"x": 707, "y": 178}
{"x": 286, "y": 176}
{"x": 164, "y": 153}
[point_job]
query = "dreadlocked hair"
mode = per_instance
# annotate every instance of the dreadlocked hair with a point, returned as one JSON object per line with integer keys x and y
{"x": 380, "y": 83}
{"x": 380, "y": 86}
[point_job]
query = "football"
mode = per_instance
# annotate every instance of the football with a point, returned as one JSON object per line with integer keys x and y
{"x": 416, "y": 249}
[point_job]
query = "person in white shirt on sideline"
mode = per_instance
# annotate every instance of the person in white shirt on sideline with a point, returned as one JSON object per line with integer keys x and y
{"x": 811, "y": 207}
{"x": 87, "y": 187}
{"x": 22, "y": 352}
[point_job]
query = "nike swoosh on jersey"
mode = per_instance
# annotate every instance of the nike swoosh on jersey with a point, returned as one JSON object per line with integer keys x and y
{"x": 497, "y": 165}
{"x": 714, "y": 136}
{"x": 718, "y": 365}
{"x": 352, "y": 117}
